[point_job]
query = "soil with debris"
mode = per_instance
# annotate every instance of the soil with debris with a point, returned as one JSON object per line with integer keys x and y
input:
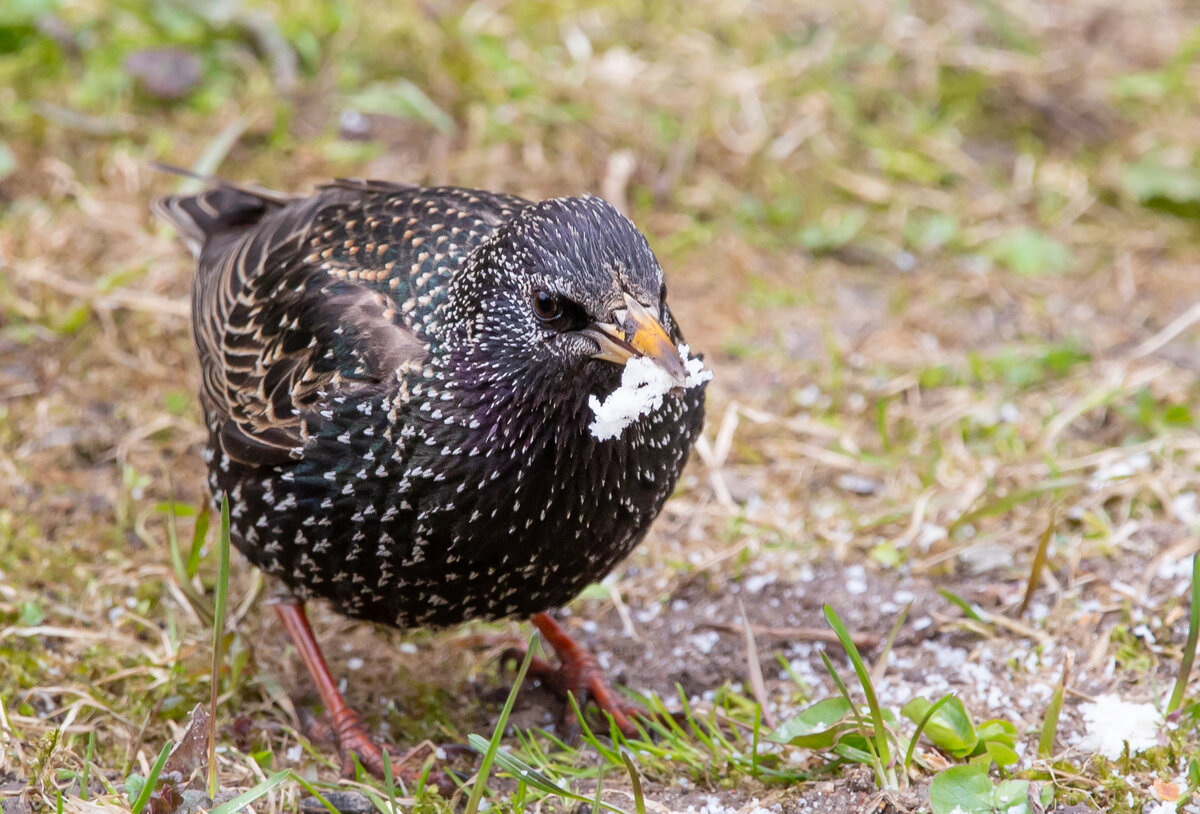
{"x": 941, "y": 260}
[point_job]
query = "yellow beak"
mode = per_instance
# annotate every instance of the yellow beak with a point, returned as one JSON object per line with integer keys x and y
{"x": 636, "y": 333}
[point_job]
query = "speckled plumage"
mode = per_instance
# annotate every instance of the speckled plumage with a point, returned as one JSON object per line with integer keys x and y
{"x": 396, "y": 430}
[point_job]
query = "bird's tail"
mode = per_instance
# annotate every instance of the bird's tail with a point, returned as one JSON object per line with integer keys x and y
{"x": 222, "y": 208}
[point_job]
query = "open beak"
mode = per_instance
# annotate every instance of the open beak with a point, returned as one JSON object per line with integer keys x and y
{"x": 636, "y": 333}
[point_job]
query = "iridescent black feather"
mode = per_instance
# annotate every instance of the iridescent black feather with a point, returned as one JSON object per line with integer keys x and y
{"x": 396, "y": 430}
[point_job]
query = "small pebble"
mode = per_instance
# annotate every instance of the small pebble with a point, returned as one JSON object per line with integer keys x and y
{"x": 347, "y": 802}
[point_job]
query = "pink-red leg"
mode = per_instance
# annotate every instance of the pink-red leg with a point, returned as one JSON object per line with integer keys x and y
{"x": 577, "y": 674}
{"x": 351, "y": 734}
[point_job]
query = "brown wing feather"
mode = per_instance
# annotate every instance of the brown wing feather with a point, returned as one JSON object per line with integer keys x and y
{"x": 276, "y": 334}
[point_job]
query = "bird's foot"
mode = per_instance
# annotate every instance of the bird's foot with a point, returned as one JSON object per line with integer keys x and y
{"x": 356, "y": 746}
{"x": 345, "y": 727}
{"x": 579, "y": 675}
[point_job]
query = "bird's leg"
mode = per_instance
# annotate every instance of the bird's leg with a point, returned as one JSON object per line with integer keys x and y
{"x": 351, "y": 734}
{"x": 577, "y": 674}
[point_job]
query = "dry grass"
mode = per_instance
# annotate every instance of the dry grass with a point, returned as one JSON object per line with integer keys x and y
{"x": 916, "y": 246}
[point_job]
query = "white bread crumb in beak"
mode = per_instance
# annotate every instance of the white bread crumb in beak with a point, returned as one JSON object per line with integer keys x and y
{"x": 644, "y": 385}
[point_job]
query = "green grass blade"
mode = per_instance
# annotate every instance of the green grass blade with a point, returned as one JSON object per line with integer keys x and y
{"x": 1039, "y": 562}
{"x": 389, "y": 782}
{"x": 249, "y": 796}
{"x": 864, "y": 678}
{"x": 177, "y": 563}
{"x": 493, "y": 746}
{"x": 183, "y": 570}
{"x": 635, "y": 780}
{"x": 881, "y": 662}
{"x": 87, "y": 765}
{"x": 199, "y": 534}
{"x": 597, "y": 802}
{"x": 1189, "y": 649}
{"x": 151, "y": 780}
{"x": 588, "y": 736}
{"x": 876, "y": 763}
{"x": 1016, "y": 497}
{"x": 222, "y": 590}
{"x": 531, "y": 776}
{"x": 1050, "y": 724}
{"x": 316, "y": 793}
{"x": 912, "y": 744}
{"x": 965, "y": 606}
{"x": 754, "y": 742}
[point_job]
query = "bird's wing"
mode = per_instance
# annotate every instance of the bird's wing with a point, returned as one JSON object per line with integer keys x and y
{"x": 298, "y": 301}
{"x": 277, "y": 333}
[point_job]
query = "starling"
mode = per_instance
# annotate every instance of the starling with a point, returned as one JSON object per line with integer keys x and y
{"x": 396, "y": 383}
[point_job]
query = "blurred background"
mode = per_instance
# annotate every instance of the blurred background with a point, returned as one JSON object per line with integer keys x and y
{"x": 942, "y": 256}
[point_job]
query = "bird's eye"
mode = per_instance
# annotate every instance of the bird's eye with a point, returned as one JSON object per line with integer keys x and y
{"x": 546, "y": 306}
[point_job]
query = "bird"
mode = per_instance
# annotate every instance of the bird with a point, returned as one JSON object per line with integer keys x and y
{"x": 396, "y": 380}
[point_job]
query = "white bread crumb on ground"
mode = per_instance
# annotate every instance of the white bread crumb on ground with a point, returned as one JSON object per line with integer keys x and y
{"x": 1112, "y": 722}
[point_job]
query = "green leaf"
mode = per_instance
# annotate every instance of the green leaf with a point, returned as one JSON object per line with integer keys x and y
{"x": 814, "y": 728}
{"x": 32, "y": 614}
{"x": 997, "y": 731}
{"x": 1003, "y": 755}
{"x": 949, "y": 728}
{"x": 1030, "y": 253}
{"x": 1174, "y": 190}
{"x": 969, "y": 790}
{"x": 8, "y": 160}
{"x": 402, "y": 98}
{"x": 966, "y": 788}
{"x": 1147, "y": 181}
{"x": 832, "y": 234}
{"x": 1011, "y": 797}
{"x": 924, "y": 233}
{"x": 1150, "y": 86}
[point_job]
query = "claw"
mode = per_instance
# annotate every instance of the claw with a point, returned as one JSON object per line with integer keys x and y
{"x": 345, "y": 726}
{"x": 579, "y": 675}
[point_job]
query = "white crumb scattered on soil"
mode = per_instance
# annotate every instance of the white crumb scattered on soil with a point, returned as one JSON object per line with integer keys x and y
{"x": 1111, "y": 723}
{"x": 643, "y": 386}
{"x": 856, "y": 579}
{"x": 712, "y": 805}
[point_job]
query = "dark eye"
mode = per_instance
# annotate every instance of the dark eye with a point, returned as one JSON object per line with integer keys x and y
{"x": 558, "y": 312}
{"x": 546, "y": 306}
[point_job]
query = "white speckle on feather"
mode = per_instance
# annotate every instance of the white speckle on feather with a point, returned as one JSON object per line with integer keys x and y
{"x": 1112, "y": 722}
{"x": 643, "y": 386}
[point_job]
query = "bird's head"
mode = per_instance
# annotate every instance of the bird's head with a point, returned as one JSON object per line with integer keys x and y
{"x": 567, "y": 291}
